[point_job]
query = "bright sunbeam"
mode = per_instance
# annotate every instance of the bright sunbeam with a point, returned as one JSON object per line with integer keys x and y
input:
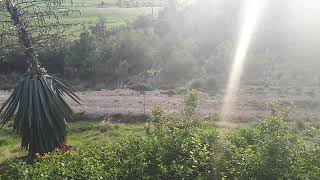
{"x": 251, "y": 16}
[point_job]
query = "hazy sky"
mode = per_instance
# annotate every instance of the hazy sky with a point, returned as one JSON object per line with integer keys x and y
{"x": 289, "y": 27}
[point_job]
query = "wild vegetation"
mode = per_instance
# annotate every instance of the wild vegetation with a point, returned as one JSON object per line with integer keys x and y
{"x": 153, "y": 50}
{"x": 146, "y": 45}
{"x": 181, "y": 148}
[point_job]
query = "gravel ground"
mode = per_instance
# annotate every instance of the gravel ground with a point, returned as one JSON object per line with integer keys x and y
{"x": 248, "y": 106}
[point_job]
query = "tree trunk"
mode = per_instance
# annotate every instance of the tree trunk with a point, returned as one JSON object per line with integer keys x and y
{"x": 25, "y": 37}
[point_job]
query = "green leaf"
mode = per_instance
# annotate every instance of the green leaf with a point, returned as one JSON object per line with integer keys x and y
{"x": 41, "y": 112}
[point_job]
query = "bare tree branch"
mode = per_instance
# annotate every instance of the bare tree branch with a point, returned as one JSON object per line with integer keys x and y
{"x": 35, "y": 23}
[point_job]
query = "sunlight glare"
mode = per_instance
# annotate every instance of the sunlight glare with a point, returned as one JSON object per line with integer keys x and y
{"x": 251, "y": 16}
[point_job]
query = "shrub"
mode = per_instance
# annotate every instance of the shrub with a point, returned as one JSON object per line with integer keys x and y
{"x": 266, "y": 151}
{"x": 179, "y": 149}
{"x": 209, "y": 84}
{"x": 182, "y": 148}
{"x": 280, "y": 110}
{"x": 191, "y": 103}
{"x": 171, "y": 149}
{"x": 308, "y": 160}
{"x": 176, "y": 62}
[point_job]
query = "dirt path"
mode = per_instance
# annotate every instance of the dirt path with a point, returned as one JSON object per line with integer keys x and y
{"x": 127, "y": 101}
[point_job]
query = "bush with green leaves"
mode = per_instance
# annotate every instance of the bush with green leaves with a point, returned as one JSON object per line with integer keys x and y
{"x": 191, "y": 103}
{"x": 180, "y": 148}
{"x": 209, "y": 84}
{"x": 308, "y": 161}
{"x": 183, "y": 148}
{"x": 172, "y": 148}
{"x": 270, "y": 151}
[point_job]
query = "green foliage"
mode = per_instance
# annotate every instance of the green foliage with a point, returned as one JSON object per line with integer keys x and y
{"x": 181, "y": 148}
{"x": 179, "y": 64}
{"x": 171, "y": 149}
{"x": 280, "y": 110}
{"x": 121, "y": 57}
{"x": 41, "y": 112}
{"x": 213, "y": 118}
{"x": 308, "y": 161}
{"x": 191, "y": 103}
{"x": 193, "y": 42}
{"x": 129, "y": 118}
{"x": 209, "y": 84}
{"x": 269, "y": 151}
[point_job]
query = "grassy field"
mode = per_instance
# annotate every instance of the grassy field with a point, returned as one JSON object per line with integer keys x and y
{"x": 80, "y": 133}
{"x": 113, "y": 15}
{"x": 84, "y": 133}
{"x": 92, "y": 10}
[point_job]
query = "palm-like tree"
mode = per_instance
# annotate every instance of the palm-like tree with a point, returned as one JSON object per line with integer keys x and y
{"x": 37, "y": 104}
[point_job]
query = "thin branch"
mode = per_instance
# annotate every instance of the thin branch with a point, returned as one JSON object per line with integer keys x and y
{"x": 32, "y": 27}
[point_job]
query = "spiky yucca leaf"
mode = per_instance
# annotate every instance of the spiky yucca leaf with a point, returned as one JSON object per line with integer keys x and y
{"x": 40, "y": 112}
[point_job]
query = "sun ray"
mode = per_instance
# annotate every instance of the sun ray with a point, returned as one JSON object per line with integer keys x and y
{"x": 251, "y": 16}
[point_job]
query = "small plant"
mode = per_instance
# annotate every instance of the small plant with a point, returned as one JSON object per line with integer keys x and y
{"x": 280, "y": 110}
{"x": 157, "y": 115}
{"x": 41, "y": 113}
{"x": 191, "y": 103}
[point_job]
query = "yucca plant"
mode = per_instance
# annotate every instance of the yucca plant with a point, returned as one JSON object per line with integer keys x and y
{"x": 36, "y": 105}
{"x": 41, "y": 112}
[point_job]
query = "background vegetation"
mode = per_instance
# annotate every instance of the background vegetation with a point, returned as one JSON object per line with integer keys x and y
{"x": 154, "y": 47}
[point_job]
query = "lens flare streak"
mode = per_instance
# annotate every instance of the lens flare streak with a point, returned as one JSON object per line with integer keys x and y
{"x": 251, "y": 16}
